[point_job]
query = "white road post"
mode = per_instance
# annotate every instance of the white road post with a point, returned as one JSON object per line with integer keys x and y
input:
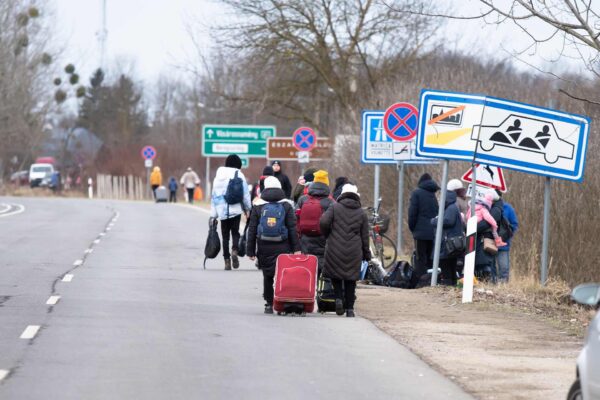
{"x": 469, "y": 268}
{"x": 90, "y": 188}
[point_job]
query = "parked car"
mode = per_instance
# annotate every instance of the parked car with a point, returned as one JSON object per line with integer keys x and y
{"x": 37, "y": 173}
{"x": 587, "y": 382}
{"x": 20, "y": 177}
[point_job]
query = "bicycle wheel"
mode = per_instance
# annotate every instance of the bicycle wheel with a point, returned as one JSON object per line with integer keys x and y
{"x": 389, "y": 253}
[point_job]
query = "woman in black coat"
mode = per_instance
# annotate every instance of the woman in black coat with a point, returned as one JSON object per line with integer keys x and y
{"x": 268, "y": 251}
{"x": 346, "y": 227}
{"x": 452, "y": 227}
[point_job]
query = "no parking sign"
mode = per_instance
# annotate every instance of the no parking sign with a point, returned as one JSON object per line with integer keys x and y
{"x": 304, "y": 139}
{"x": 401, "y": 121}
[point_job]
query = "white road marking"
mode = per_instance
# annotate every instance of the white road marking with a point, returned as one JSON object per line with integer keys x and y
{"x": 67, "y": 278}
{"x": 108, "y": 229}
{"x": 4, "y": 207}
{"x": 89, "y": 251}
{"x": 18, "y": 209}
{"x": 77, "y": 263}
{"x": 30, "y": 332}
{"x": 201, "y": 209}
{"x": 52, "y": 300}
{"x": 102, "y": 234}
{"x": 3, "y": 373}
{"x": 97, "y": 241}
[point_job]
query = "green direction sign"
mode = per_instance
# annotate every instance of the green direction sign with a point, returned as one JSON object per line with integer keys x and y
{"x": 245, "y": 162}
{"x": 243, "y": 140}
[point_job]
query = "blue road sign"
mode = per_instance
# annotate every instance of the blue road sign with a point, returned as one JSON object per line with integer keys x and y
{"x": 503, "y": 133}
{"x": 376, "y": 146}
{"x": 401, "y": 121}
{"x": 304, "y": 139}
{"x": 148, "y": 153}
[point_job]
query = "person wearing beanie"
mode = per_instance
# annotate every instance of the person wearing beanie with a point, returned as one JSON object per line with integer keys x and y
{"x": 347, "y": 246}
{"x": 422, "y": 208}
{"x": 189, "y": 181}
{"x": 456, "y": 186}
{"x": 259, "y": 185}
{"x": 309, "y": 209}
{"x": 304, "y": 182}
{"x": 340, "y": 181}
{"x": 267, "y": 248}
{"x": 286, "y": 185}
{"x": 229, "y": 200}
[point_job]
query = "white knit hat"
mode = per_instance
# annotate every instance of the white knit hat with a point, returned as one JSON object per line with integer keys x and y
{"x": 350, "y": 188}
{"x": 454, "y": 184}
{"x": 272, "y": 183}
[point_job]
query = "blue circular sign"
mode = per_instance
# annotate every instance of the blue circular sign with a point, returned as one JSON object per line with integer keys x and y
{"x": 148, "y": 153}
{"x": 400, "y": 121}
{"x": 304, "y": 139}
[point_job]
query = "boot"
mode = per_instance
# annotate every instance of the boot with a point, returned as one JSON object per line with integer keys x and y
{"x": 350, "y": 313}
{"x": 227, "y": 264}
{"x": 339, "y": 307}
{"x": 268, "y": 309}
{"x": 499, "y": 241}
{"x": 234, "y": 259}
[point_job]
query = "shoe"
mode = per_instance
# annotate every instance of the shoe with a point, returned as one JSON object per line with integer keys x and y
{"x": 350, "y": 313}
{"x": 339, "y": 307}
{"x": 269, "y": 309}
{"x": 234, "y": 259}
{"x": 228, "y": 265}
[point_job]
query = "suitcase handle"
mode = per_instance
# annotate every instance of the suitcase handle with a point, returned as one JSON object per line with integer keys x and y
{"x": 300, "y": 257}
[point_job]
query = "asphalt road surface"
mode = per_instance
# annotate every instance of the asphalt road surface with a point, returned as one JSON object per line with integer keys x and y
{"x": 108, "y": 300}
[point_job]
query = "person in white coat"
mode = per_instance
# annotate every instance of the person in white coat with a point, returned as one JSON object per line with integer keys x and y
{"x": 230, "y": 183}
{"x": 189, "y": 180}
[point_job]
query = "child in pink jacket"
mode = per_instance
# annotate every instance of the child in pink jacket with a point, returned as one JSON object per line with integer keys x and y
{"x": 482, "y": 211}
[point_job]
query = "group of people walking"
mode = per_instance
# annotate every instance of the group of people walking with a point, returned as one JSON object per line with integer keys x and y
{"x": 189, "y": 181}
{"x": 496, "y": 223}
{"x": 310, "y": 219}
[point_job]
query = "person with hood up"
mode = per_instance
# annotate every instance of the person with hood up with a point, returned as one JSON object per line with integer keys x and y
{"x": 189, "y": 180}
{"x": 503, "y": 256}
{"x": 259, "y": 186}
{"x": 346, "y": 227}
{"x": 340, "y": 181}
{"x": 452, "y": 227}
{"x": 303, "y": 183}
{"x": 286, "y": 186}
{"x": 155, "y": 179}
{"x": 173, "y": 190}
{"x": 229, "y": 183}
{"x": 261, "y": 243}
{"x": 457, "y": 187}
{"x": 309, "y": 210}
{"x": 423, "y": 206}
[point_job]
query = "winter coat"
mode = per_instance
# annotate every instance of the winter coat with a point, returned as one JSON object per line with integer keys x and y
{"x": 286, "y": 185}
{"x": 509, "y": 213}
{"x": 218, "y": 206}
{"x": 346, "y": 227}
{"x": 267, "y": 252}
{"x": 190, "y": 179}
{"x": 462, "y": 205}
{"x": 173, "y": 185}
{"x": 156, "y": 177}
{"x": 452, "y": 224}
{"x": 484, "y": 230}
{"x": 315, "y": 245}
{"x": 423, "y": 206}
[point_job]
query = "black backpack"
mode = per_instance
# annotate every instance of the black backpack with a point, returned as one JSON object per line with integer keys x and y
{"x": 235, "y": 190}
{"x": 213, "y": 243}
{"x": 504, "y": 229}
{"x": 243, "y": 241}
{"x": 399, "y": 276}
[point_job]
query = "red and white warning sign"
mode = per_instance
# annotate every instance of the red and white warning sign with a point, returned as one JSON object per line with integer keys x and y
{"x": 488, "y": 176}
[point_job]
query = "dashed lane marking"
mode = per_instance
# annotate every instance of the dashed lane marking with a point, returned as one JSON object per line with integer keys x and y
{"x": 52, "y": 300}
{"x": 77, "y": 263}
{"x": 67, "y": 278}
{"x": 89, "y": 251}
{"x": 30, "y": 332}
{"x": 3, "y": 373}
{"x": 96, "y": 241}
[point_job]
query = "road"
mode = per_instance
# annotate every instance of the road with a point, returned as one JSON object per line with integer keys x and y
{"x": 132, "y": 315}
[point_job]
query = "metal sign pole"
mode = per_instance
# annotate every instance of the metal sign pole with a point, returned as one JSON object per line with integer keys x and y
{"x": 207, "y": 192}
{"x": 376, "y": 186}
{"x": 545, "y": 239}
{"x": 440, "y": 223}
{"x": 400, "y": 204}
{"x": 149, "y": 188}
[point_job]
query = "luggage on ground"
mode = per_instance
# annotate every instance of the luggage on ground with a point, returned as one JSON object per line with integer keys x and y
{"x": 243, "y": 241}
{"x": 161, "y": 194}
{"x": 399, "y": 276}
{"x": 213, "y": 243}
{"x": 325, "y": 295}
{"x": 295, "y": 283}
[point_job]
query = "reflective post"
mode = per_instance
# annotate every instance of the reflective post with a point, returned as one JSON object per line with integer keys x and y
{"x": 440, "y": 223}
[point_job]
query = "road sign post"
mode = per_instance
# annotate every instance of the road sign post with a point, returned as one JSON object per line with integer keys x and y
{"x": 401, "y": 121}
{"x": 440, "y": 224}
{"x": 400, "y": 205}
{"x": 246, "y": 141}
{"x": 148, "y": 154}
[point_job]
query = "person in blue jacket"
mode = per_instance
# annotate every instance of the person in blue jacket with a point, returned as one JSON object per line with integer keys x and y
{"x": 173, "y": 190}
{"x": 452, "y": 227}
{"x": 503, "y": 256}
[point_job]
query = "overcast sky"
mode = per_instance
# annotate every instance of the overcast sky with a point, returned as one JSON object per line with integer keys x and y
{"x": 152, "y": 33}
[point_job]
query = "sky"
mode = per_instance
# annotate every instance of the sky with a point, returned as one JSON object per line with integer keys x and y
{"x": 152, "y": 34}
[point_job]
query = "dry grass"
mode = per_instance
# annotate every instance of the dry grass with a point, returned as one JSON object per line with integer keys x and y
{"x": 26, "y": 191}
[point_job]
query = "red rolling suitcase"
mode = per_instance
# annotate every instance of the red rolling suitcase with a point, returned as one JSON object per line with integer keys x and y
{"x": 295, "y": 283}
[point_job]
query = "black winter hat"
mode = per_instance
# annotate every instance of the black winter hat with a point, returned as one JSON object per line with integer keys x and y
{"x": 233, "y": 161}
{"x": 425, "y": 177}
{"x": 268, "y": 171}
{"x": 309, "y": 174}
{"x": 276, "y": 162}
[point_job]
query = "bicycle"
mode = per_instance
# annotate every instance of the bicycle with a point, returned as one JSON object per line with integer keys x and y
{"x": 382, "y": 247}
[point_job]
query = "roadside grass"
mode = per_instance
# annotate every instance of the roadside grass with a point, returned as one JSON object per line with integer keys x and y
{"x": 26, "y": 191}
